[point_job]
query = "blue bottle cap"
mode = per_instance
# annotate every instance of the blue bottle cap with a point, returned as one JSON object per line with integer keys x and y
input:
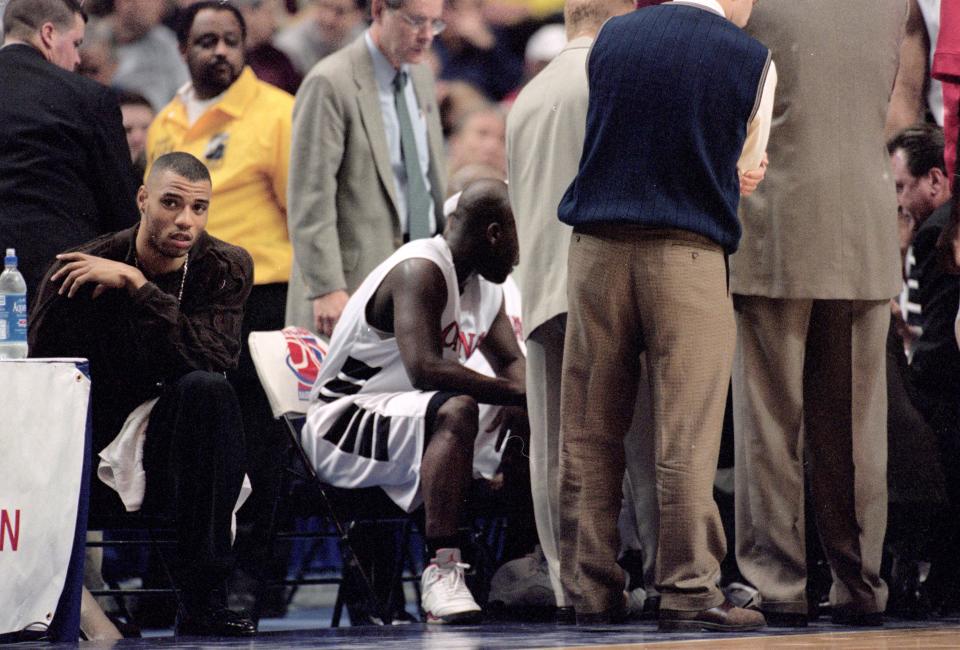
{"x": 11, "y": 258}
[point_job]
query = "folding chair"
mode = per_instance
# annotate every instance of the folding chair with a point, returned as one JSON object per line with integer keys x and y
{"x": 133, "y": 530}
{"x": 288, "y": 362}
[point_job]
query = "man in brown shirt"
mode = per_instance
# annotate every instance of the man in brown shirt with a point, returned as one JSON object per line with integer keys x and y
{"x": 157, "y": 310}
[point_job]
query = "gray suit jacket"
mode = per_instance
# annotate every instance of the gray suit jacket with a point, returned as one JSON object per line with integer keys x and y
{"x": 822, "y": 225}
{"x": 342, "y": 205}
{"x": 545, "y": 130}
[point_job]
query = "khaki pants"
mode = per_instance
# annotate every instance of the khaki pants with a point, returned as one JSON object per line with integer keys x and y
{"x": 638, "y": 518}
{"x": 665, "y": 292}
{"x": 809, "y": 381}
{"x": 544, "y": 365}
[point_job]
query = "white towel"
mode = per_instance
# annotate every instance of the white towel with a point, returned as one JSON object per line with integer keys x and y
{"x": 121, "y": 464}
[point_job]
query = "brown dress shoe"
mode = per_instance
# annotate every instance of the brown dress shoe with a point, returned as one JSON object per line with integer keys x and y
{"x": 725, "y": 617}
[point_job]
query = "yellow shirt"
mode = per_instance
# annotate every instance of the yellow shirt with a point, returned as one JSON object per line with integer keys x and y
{"x": 244, "y": 140}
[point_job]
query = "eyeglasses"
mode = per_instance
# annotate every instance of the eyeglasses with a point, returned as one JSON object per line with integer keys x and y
{"x": 419, "y": 22}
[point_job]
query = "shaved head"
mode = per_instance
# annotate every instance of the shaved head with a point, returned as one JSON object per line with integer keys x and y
{"x": 482, "y": 229}
{"x": 483, "y": 202}
{"x": 23, "y": 18}
{"x": 183, "y": 164}
{"x": 584, "y": 17}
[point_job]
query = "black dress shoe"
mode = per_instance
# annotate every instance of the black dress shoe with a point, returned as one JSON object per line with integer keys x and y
{"x": 214, "y": 622}
{"x": 725, "y": 617}
{"x": 856, "y": 619}
{"x": 785, "y": 619}
{"x": 566, "y": 616}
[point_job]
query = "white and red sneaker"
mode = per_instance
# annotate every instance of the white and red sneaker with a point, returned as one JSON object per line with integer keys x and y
{"x": 444, "y": 594}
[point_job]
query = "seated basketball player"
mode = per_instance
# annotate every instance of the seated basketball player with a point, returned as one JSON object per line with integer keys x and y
{"x": 394, "y": 405}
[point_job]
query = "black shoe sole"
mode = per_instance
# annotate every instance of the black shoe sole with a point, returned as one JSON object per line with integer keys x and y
{"x": 232, "y": 634}
{"x": 785, "y": 619}
{"x": 702, "y": 626}
{"x": 874, "y": 619}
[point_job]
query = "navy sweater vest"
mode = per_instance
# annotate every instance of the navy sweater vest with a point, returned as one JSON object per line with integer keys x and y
{"x": 672, "y": 90}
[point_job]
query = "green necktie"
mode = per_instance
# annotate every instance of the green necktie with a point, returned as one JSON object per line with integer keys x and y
{"x": 419, "y": 201}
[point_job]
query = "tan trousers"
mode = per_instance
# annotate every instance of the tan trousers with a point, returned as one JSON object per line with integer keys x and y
{"x": 809, "y": 381}
{"x": 544, "y": 366}
{"x": 638, "y": 518}
{"x": 639, "y": 523}
{"x": 665, "y": 292}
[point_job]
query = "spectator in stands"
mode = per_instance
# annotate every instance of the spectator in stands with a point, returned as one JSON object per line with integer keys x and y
{"x": 269, "y": 63}
{"x": 137, "y": 115}
{"x": 542, "y": 46}
{"x": 321, "y": 28}
{"x": 65, "y": 172}
{"x": 98, "y": 56}
{"x": 914, "y": 473}
{"x": 156, "y": 309}
{"x": 147, "y": 55}
{"x": 466, "y": 175}
{"x": 240, "y": 127}
{"x": 395, "y": 407}
{"x": 479, "y": 139}
{"x": 456, "y": 100}
{"x": 469, "y": 49}
{"x": 924, "y": 193}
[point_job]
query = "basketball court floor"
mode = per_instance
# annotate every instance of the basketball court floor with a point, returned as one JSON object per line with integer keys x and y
{"x": 896, "y": 635}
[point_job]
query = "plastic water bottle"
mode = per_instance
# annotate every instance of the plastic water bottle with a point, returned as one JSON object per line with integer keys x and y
{"x": 13, "y": 310}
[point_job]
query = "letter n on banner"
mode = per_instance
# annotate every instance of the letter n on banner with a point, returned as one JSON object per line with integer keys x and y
{"x": 9, "y": 530}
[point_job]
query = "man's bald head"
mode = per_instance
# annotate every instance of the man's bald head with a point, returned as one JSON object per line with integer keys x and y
{"x": 584, "y": 17}
{"x": 484, "y": 228}
{"x": 483, "y": 202}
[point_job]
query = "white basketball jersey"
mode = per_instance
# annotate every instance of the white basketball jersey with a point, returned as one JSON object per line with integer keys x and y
{"x": 363, "y": 359}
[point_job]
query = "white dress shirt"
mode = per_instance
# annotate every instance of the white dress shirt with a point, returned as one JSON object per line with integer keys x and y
{"x": 758, "y": 131}
{"x": 384, "y": 72}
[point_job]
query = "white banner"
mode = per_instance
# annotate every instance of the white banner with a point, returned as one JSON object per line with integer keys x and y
{"x": 43, "y": 417}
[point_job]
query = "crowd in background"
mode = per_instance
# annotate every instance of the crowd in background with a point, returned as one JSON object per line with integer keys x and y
{"x": 481, "y": 59}
{"x": 487, "y": 52}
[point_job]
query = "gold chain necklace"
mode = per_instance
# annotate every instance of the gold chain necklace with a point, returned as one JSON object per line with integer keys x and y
{"x": 183, "y": 278}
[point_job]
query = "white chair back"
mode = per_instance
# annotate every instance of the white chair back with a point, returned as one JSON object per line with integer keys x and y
{"x": 287, "y": 362}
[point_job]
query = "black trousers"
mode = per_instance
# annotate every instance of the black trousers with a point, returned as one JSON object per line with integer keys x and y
{"x": 266, "y": 439}
{"x": 194, "y": 462}
{"x": 942, "y": 413}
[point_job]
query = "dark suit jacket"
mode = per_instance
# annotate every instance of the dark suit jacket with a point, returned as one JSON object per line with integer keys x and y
{"x": 65, "y": 171}
{"x": 935, "y": 367}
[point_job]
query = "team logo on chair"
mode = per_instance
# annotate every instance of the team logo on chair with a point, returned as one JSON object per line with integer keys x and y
{"x": 305, "y": 354}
